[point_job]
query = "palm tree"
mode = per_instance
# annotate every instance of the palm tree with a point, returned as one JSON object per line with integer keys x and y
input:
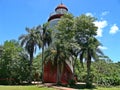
{"x": 85, "y": 37}
{"x": 89, "y": 52}
{"x": 46, "y": 40}
{"x": 30, "y": 41}
{"x": 46, "y": 35}
{"x": 58, "y": 54}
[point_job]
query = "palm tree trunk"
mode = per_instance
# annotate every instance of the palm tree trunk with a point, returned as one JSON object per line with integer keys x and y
{"x": 58, "y": 73}
{"x": 30, "y": 68}
{"x": 88, "y": 79}
{"x": 42, "y": 64}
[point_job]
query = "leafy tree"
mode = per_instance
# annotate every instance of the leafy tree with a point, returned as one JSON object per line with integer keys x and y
{"x": 106, "y": 72}
{"x": 30, "y": 41}
{"x": 85, "y": 32}
{"x": 13, "y": 63}
{"x": 79, "y": 71}
{"x": 80, "y": 32}
{"x": 65, "y": 28}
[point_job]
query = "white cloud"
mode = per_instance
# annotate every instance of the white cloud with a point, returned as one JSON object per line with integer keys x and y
{"x": 100, "y": 24}
{"x": 89, "y": 14}
{"x": 114, "y": 29}
{"x": 105, "y": 13}
{"x": 102, "y": 47}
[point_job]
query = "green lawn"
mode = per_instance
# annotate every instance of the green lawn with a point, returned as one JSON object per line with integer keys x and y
{"x": 111, "y": 88}
{"x": 104, "y": 88}
{"x": 45, "y": 88}
{"x": 24, "y": 88}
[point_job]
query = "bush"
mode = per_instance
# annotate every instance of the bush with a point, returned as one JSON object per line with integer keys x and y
{"x": 71, "y": 82}
{"x": 109, "y": 81}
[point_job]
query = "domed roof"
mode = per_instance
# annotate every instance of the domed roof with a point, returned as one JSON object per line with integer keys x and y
{"x": 61, "y": 6}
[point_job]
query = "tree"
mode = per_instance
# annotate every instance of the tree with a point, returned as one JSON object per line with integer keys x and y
{"x": 106, "y": 72}
{"x": 58, "y": 54}
{"x": 46, "y": 40}
{"x": 13, "y": 63}
{"x": 30, "y": 41}
{"x": 66, "y": 33}
{"x": 85, "y": 37}
{"x": 37, "y": 68}
{"x": 77, "y": 37}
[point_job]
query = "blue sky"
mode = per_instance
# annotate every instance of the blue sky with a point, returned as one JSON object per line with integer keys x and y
{"x": 15, "y": 15}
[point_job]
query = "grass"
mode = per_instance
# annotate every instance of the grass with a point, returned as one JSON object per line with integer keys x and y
{"x": 114, "y": 88}
{"x": 99, "y": 88}
{"x": 109, "y": 88}
{"x": 33, "y": 87}
{"x": 83, "y": 87}
{"x": 24, "y": 88}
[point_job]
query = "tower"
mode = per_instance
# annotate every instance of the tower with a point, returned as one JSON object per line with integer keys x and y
{"x": 60, "y": 10}
{"x": 50, "y": 71}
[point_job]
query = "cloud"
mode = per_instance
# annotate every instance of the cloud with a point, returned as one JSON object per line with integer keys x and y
{"x": 114, "y": 29}
{"x": 102, "y": 47}
{"x": 105, "y": 13}
{"x": 89, "y": 14}
{"x": 100, "y": 24}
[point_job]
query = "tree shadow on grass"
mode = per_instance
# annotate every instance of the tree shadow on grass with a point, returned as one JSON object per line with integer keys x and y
{"x": 82, "y": 86}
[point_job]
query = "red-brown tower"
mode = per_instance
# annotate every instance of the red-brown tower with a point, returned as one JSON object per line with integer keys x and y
{"x": 50, "y": 71}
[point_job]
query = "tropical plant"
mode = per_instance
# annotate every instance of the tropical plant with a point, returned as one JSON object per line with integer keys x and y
{"x": 85, "y": 32}
{"x": 46, "y": 40}
{"x": 30, "y": 41}
{"x": 57, "y": 54}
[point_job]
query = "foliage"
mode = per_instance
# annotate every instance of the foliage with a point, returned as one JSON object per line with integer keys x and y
{"x": 30, "y": 41}
{"x": 80, "y": 71}
{"x": 104, "y": 72}
{"x": 13, "y": 63}
{"x": 37, "y": 68}
{"x": 58, "y": 52}
{"x": 74, "y": 38}
{"x": 107, "y": 73}
{"x": 85, "y": 37}
{"x": 76, "y": 34}
{"x": 46, "y": 39}
{"x": 65, "y": 28}
{"x": 71, "y": 82}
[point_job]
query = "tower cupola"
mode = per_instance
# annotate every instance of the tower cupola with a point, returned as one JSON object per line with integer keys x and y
{"x": 60, "y": 10}
{"x": 61, "y": 6}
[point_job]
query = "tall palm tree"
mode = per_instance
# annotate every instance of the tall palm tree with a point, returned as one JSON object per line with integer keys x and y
{"x": 90, "y": 51}
{"x": 46, "y": 40}
{"x": 30, "y": 41}
{"x": 85, "y": 37}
